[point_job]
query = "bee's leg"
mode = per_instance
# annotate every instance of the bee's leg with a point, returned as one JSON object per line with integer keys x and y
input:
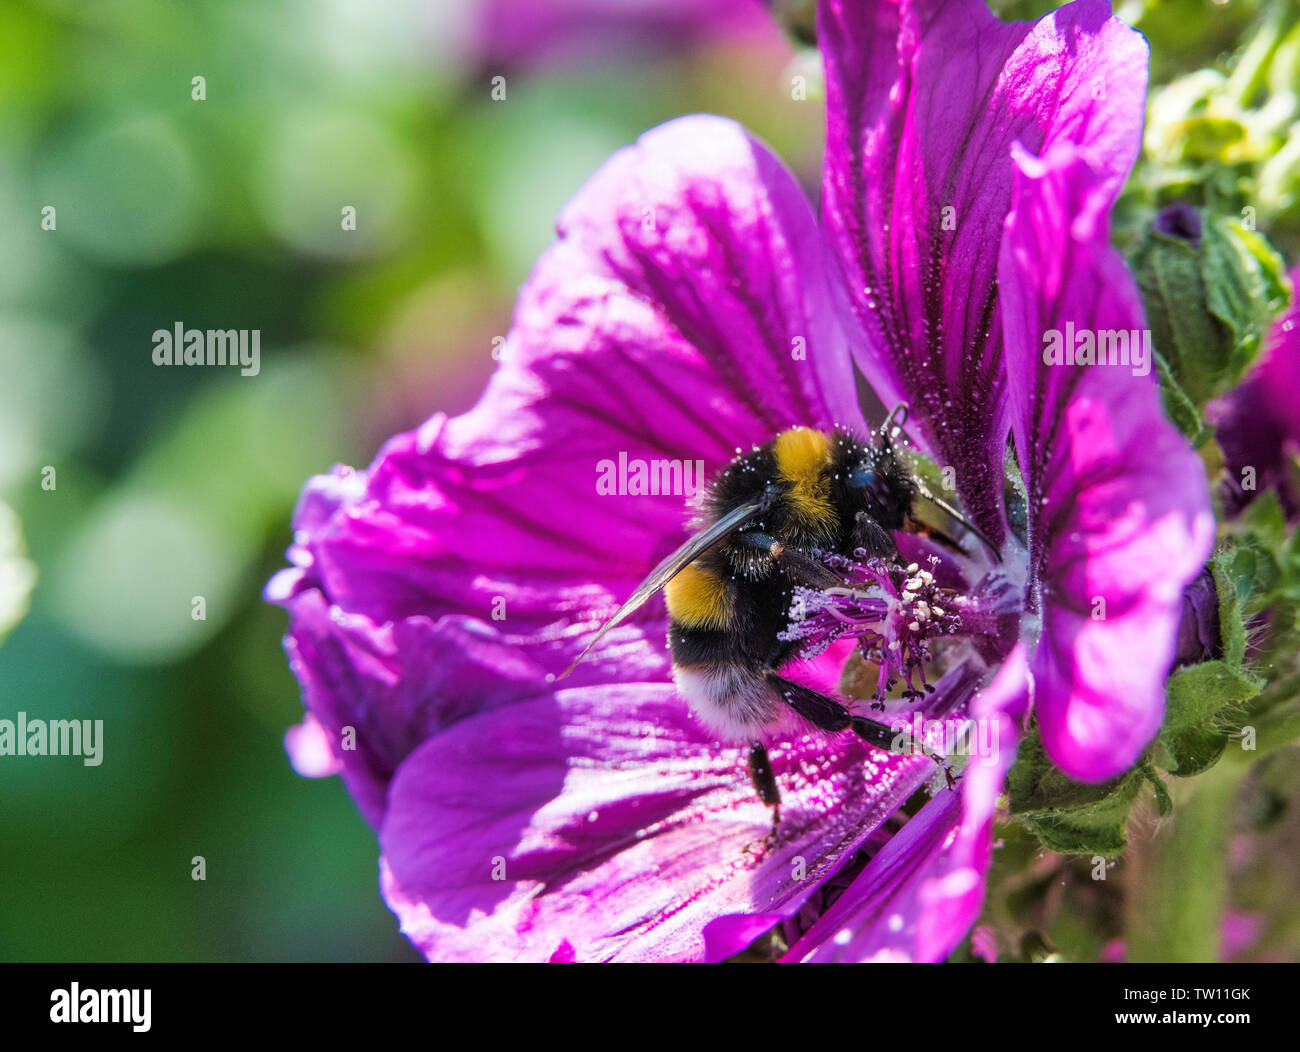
{"x": 873, "y": 537}
{"x": 816, "y": 708}
{"x": 831, "y": 715}
{"x": 760, "y": 770}
{"x": 800, "y": 568}
{"x": 891, "y": 740}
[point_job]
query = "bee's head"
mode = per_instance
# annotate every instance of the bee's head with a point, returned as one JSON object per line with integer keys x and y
{"x": 879, "y": 483}
{"x": 811, "y": 484}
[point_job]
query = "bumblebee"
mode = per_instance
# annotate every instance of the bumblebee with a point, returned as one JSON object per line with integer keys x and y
{"x": 766, "y": 518}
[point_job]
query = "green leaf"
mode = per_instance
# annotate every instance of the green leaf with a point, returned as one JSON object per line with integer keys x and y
{"x": 1164, "y": 802}
{"x": 1204, "y": 701}
{"x": 1265, "y": 563}
{"x": 1209, "y": 306}
{"x": 1266, "y": 517}
{"x": 1178, "y": 407}
{"x": 1246, "y": 284}
{"x": 1232, "y": 627}
{"x": 1196, "y": 726}
{"x": 1189, "y": 337}
{"x": 1067, "y": 816}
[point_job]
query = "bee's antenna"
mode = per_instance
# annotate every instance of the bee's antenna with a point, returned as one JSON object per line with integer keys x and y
{"x": 901, "y": 410}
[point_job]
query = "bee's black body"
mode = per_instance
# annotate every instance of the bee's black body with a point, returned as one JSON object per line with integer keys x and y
{"x": 819, "y": 492}
{"x": 766, "y": 520}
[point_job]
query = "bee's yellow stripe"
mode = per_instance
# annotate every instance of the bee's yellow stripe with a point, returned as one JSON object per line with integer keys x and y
{"x": 699, "y": 598}
{"x": 802, "y": 458}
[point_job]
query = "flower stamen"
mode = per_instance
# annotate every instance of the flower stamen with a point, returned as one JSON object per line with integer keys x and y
{"x": 894, "y": 612}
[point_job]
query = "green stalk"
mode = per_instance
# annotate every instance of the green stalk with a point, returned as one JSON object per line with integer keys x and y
{"x": 1177, "y": 905}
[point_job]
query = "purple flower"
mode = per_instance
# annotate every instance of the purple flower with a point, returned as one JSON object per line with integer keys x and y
{"x": 1179, "y": 220}
{"x": 1200, "y": 636}
{"x": 693, "y": 305}
{"x": 1257, "y": 423}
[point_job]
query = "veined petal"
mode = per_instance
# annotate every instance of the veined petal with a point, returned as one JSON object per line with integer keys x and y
{"x": 1280, "y": 364}
{"x": 602, "y": 818}
{"x": 376, "y": 691}
{"x": 924, "y": 101}
{"x": 1119, "y": 508}
{"x": 701, "y": 224}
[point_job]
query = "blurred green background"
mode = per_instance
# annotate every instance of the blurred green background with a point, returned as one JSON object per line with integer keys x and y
{"x": 173, "y": 483}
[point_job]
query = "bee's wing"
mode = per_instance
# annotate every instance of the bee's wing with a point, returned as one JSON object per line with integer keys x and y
{"x": 671, "y": 567}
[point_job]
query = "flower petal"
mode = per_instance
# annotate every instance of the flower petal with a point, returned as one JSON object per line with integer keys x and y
{"x": 923, "y": 103}
{"x": 687, "y": 309}
{"x": 1119, "y": 509}
{"x": 1257, "y": 424}
{"x": 601, "y": 815}
{"x": 310, "y": 750}
{"x": 376, "y": 691}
